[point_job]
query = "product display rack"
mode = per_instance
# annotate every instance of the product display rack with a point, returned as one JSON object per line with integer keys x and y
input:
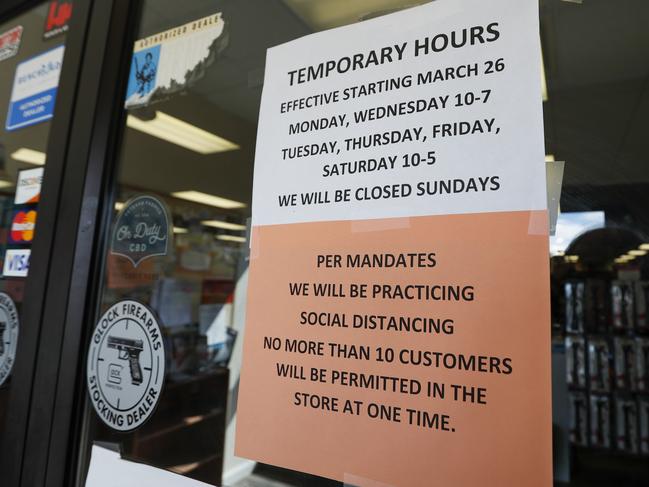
{"x": 606, "y": 335}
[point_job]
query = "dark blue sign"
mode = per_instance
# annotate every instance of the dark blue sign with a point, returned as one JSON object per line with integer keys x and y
{"x": 141, "y": 230}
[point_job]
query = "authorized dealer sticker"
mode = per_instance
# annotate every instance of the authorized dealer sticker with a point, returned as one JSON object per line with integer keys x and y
{"x": 126, "y": 365}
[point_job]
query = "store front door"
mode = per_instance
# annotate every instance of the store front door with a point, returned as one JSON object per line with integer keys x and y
{"x": 34, "y": 108}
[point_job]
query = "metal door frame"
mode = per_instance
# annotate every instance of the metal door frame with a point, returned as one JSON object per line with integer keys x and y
{"x": 47, "y": 394}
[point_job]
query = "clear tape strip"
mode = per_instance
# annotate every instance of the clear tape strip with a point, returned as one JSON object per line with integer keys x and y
{"x": 379, "y": 224}
{"x": 353, "y": 480}
{"x": 538, "y": 223}
{"x": 255, "y": 243}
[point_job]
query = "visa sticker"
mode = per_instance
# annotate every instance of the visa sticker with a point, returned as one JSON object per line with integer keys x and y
{"x": 16, "y": 263}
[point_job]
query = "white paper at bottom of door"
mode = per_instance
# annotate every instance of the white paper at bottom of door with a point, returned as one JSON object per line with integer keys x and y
{"x": 107, "y": 469}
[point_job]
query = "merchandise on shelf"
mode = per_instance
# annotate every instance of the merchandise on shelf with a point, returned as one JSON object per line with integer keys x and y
{"x": 596, "y": 306}
{"x": 626, "y": 419}
{"x": 643, "y": 413}
{"x": 599, "y": 368}
{"x": 641, "y": 304}
{"x": 600, "y": 421}
{"x": 642, "y": 363}
{"x": 625, "y": 363}
{"x": 622, "y": 296}
{"x": 578, "y": 419}
{"x": 576, "y": 361}
{"x": 574, "y": 295}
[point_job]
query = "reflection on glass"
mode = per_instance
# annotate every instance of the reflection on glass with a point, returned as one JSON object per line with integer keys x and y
{"x": 569, "y": 225}
{"x": 187, "y": 149}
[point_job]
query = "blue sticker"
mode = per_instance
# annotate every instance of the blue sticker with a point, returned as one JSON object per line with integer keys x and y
{"x": 34, "y": 90}
{"x": 141, "y": 230}
{"x": 143, "y": 75}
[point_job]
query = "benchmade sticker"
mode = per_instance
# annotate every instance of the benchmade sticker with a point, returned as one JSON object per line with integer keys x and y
{"x": 34, "y": 89}
{"x": 399, "y": 189}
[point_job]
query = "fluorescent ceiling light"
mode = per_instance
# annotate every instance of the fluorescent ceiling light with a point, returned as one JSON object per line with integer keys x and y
{"x": 231, "y": 238}
{"x": 549, "y": 158}
{"x": 637, "y": 253}
{"x": 5, "y": 184}
{"x": 184, "y": 468}
{"x": 180, "y": 230}
{"x": 119, "y": 205}
{"x": 335, "y": 13}
{"x": 181, "y": 133}
{"x": 189, "y": 420}
{"x": 222, "y": 224}
{"x": 644, "y": 246}
{"x": 29, "y": 156}
{"x": 208, "y": 199}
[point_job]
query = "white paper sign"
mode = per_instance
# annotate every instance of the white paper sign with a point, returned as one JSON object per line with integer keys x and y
{"x": 454, "y": 114}
{"x": 107, "y": 469}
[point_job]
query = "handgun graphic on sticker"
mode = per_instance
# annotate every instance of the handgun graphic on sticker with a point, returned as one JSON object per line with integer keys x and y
{"x": 128, "y": 349}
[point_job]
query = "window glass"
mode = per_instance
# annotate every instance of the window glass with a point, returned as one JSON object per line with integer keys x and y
{"x": 31, "y": 57}
{"x": 189, "y": 148}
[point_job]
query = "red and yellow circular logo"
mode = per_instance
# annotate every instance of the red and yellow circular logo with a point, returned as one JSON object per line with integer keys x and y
{"x": 22, "y": 227}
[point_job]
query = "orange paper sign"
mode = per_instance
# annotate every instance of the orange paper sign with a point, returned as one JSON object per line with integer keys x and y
{"x": 440, "y": 372}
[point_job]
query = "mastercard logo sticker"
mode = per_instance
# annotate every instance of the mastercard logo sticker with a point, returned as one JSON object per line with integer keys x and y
{"x": 22, "y": 226}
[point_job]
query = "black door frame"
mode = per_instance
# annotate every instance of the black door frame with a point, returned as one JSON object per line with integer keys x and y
{"x": 21, "y": 393}
{"x": 48, "y": 393}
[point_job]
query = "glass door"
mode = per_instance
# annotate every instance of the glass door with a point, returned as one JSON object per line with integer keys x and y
{"x": 175, "y": 248}
{"x": 164, "y": 344}
{"x": 32, "y": 47}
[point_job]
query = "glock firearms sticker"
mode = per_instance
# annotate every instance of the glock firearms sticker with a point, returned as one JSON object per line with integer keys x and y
{"x": 141, "y": 230}
{"x": 8, "y": 335}
{"x": 126, "y": 365}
